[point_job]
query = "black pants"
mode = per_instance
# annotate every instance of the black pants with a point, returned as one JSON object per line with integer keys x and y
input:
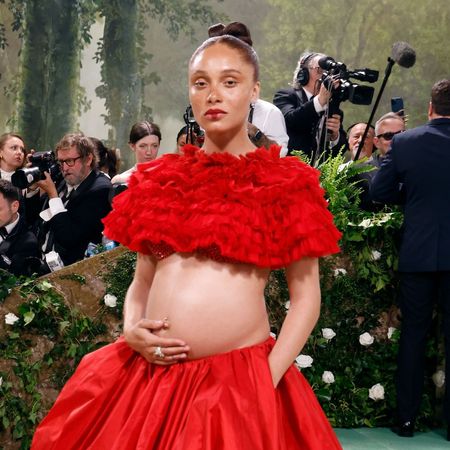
{"x": 418, "y": 292}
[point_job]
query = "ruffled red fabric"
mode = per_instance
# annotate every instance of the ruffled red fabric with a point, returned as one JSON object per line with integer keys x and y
{"x": 256, "y": 208}
{"x": 116, "y": 400}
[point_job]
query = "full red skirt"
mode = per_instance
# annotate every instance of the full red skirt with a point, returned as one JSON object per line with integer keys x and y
{"x": 118, "y": 401}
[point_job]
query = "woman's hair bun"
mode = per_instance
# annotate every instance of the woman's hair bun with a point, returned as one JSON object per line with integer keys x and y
{"x": 236, "y": 29}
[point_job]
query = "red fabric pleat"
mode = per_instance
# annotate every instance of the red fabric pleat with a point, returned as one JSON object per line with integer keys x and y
{"x": 118, "y": 401}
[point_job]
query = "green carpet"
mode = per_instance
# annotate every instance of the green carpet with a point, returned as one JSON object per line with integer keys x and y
{"x": 385, "y": 439}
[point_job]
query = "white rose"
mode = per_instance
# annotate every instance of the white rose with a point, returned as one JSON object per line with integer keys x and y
{"x": 328, "y": 333}
{"x": 287, "y": 305}
{"x": 376, "y": 255}
{"x": 110, "y": 300}
{"x": 328, "y": 377}
{"x": 11, "y": 319}
{"x": 366, "y": 339}
{"x": 304, "y": 361}
{"x": 376, "y": 392}
{"x": 339, "y": 271}
{"x": 366, "y": 223}
{"x": 439, "y": 378}
{"x": 390, "y": 332}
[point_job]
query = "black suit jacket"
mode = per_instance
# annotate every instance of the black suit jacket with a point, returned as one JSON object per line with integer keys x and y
{"x": 419, "y": 161}
{"x": 72, "y": 230}
{"x": 21, "y": 249}
{"x": 302, "y": 120}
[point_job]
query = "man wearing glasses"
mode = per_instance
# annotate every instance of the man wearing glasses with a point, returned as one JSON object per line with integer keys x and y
{"x": 386, "y": 128}
{"x": 419, "y": 160}
{"x": 304, "y": 107}
{"x": 69, "y": 215}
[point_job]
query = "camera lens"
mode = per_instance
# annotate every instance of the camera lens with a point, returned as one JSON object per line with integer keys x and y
{"x": 23, "y": 178}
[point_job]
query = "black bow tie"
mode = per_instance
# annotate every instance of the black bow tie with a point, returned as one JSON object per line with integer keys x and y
{"x": 3, "y": 232}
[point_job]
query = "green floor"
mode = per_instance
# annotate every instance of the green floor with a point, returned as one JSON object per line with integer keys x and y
{"x": 385, "y": 439}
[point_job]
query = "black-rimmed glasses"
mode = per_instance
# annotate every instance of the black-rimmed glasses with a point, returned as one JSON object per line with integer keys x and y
{"x": 70, "y": 162}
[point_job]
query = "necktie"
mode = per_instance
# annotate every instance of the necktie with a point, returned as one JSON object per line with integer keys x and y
{"x": 3, "y": 232}
{"x": 66, "y": 196}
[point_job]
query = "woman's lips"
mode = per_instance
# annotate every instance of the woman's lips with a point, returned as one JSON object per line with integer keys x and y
{"x": 215, "y": 113}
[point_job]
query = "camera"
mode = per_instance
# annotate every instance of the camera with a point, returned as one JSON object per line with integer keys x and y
{"x": 195, "y": 135}
{"x": 40, "y": 162}
{"x": 357, "y": 94}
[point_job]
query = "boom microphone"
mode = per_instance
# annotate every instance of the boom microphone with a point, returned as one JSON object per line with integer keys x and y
{"x": 403, "y": 54}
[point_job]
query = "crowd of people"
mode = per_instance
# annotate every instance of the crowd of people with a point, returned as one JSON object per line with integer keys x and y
{"x": 196, "y": 337}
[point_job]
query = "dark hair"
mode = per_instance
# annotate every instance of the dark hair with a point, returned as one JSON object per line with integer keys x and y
{"x": 246, "y": 51}
{"x": 6, "y": 136}
{"x": 236, "y": 29}
{"x": 10, "y": 192}
{"x": 83, "y": 144}
{"x": 183, "y": 130}
{"x": 440, "y": 97}
{"x": 107, "y": 157}
{"x": 142, "y": 129}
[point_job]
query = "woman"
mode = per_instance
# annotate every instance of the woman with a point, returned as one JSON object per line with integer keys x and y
{"x": 208, "y": 225}
{"x": 108, "y": 158}
{"x": 145, "y": 139}
{"x": 12, "y": 154}
{"x": 181, "y": 139}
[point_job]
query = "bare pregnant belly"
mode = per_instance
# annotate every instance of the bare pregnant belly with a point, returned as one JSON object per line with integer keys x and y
{"x": 213, "y": 307}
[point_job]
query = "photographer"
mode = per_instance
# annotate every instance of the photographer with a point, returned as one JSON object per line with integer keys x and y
{"x": 19, "y": 249}
{"x": 304, "y": 107}
{"x": 68, "y": 216}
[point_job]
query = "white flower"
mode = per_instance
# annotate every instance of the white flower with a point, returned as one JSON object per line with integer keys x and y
{"x": 328, "y": 333}
{"x": 376, "y": 255}
{"x": 376, "y": 392}
{"x": 366, "y": 223}
{"x": 328, "y": 377}
{"x": 304, "y": 361}
{"x": 273, "y": 335}
{"x": 390, "y": 332}
{"x": 11, "y": 319}
{"x": 339, "y": 271}
{"x": 110, "y": 300}
{"x": 366, "y": 339}
{"x": 439, "y": 378}
{"x": 287, "y": 305}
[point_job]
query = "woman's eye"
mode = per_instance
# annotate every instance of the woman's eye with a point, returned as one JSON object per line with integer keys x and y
{"x": 230, "y": 83}
{"x": 200, "y": 83}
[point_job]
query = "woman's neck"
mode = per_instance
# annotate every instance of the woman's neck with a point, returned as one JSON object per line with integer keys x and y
{"x": 236, "y": 144}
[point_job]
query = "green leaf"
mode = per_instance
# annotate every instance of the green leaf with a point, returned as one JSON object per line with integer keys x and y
{"x": 28, "y": 317}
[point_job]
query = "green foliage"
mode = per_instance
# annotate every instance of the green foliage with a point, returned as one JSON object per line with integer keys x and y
{"x": 48, "y": 340}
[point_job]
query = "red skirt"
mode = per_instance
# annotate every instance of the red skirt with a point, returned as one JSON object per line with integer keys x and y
{"x": 116, "y": 400}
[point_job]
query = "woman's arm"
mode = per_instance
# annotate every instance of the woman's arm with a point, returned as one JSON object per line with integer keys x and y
{"x": 304, "y": 288}
{"x": 137, "y": 329}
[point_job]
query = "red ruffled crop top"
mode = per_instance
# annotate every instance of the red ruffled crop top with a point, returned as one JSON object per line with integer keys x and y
{"x": 256, "y": 208}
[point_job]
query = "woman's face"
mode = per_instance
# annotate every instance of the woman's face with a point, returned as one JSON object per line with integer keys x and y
{"x": 146, "y": 148}
{"x": 221, "y": 88}
{"x": 181, "y": 142}
{"x": 12, "y": 154}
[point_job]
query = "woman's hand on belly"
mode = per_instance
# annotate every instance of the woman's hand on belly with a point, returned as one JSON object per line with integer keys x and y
{"x": 155, "y": 349}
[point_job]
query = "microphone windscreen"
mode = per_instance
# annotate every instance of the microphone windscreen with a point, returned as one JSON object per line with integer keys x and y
{"x": 403, "y": 54}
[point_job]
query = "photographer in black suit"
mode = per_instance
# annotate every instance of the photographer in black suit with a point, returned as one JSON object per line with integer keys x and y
{"x": 419, "y": 160}
{"x": 304, "y": 108}
{"x": 69, "y": 215}
{"x": 19, "y": 249}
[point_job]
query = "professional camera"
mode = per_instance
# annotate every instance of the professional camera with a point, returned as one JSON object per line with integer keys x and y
{"x": 195, "y": 135}
{"x": 40, "y": 162}
{"x": 357, "y": 94}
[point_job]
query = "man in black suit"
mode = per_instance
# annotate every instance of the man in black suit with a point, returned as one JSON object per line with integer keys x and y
{"x": 19, "y": 249}
{"x": 70, "y": 213}
{"x": 304, "y": 108}
{"x": 419, "y": 160}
